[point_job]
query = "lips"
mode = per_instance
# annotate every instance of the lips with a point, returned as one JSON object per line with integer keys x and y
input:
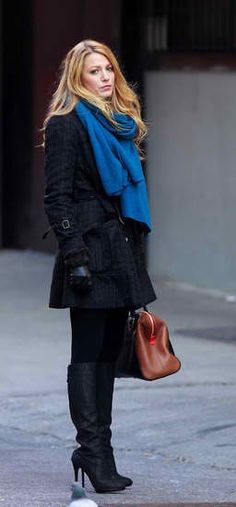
{"x": 107, "y": 87}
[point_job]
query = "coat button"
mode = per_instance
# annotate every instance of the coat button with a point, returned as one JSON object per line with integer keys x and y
{"x": 126, "y": 239}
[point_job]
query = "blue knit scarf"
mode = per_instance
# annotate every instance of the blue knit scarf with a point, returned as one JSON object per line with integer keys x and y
{"x": 117, "y": 160}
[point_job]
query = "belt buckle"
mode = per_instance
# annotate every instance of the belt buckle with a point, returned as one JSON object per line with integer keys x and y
{"x": 65, "y": 224}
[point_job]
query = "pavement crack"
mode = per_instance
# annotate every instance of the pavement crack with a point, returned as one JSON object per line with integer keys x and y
{"x": 211, "y": 429}
{"x": 176, "y": 386}
{"x": 33, "y": 394}
{"x": 30, "y": 432}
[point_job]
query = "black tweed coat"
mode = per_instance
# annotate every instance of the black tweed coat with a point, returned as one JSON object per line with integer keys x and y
{"x": 85, "y": 219}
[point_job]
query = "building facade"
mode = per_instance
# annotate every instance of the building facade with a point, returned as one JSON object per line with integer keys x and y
{"x": 181, "y": 55}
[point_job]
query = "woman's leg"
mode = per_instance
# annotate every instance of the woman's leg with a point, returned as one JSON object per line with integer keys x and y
{"x": 88, "y": 327}
{"x": 113, "y": 339}
{"x": 97, "y": 334}
{"x": 113, "y": 334}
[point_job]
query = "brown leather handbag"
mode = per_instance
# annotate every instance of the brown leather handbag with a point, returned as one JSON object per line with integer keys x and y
{"x": 147, "y": 352}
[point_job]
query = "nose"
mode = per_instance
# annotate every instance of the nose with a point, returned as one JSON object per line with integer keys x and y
{"x": 105, "y": 75}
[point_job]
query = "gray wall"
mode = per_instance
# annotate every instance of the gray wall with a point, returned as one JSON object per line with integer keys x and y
{"x": 191, "y": 162}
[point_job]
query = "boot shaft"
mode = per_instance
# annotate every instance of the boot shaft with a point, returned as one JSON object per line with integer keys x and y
{"x": 81, "y": 383}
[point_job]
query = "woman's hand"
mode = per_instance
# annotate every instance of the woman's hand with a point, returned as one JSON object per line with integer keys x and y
{"x": 80, "y": 278}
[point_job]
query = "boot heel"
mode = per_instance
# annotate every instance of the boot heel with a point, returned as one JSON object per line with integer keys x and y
{"x": 76, "y": 469}
{"x": 82, "y": 478}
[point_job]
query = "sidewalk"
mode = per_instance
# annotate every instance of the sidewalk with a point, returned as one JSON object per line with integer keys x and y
{"x": 175, "y": 437}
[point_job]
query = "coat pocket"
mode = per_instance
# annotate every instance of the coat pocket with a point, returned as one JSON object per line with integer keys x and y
{"x": 98, "y": 243}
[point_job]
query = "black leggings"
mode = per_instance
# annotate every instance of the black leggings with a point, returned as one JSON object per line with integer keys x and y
{"x": 97, "y": 334}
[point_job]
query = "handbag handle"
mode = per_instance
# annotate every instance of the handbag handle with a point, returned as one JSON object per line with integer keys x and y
{"x": 134, "y": 312}
{"x": 134, "y": 316}
{"x": 152, "y": 336}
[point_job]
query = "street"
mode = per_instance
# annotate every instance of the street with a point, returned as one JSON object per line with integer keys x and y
{"x": 175, "y": 437}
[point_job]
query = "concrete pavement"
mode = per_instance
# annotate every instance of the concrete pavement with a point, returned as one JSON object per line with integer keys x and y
{"x": 175, "y": 437}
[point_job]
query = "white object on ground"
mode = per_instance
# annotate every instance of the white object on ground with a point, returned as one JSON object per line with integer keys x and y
{"x": 78, "y": 497}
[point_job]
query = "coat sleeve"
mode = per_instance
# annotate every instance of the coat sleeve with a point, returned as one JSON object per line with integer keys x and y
{"x": 61, "y": 149}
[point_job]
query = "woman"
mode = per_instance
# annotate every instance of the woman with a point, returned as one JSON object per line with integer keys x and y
{"x": 96, "y": 203}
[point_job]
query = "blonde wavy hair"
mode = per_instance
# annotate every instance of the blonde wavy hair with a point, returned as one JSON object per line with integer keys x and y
{"x": 70, "y": 89}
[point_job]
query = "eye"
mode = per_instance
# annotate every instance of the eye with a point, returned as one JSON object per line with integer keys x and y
{"x": 94, "y": 71}
{"x": 110, "y": 68}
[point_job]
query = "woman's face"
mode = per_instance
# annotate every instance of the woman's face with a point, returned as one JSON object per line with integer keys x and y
{"x": 98, "y": 75}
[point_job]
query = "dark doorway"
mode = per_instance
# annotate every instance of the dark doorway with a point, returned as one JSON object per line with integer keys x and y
{"x": 16, "y": 121}
{"x": 132, "y": 43}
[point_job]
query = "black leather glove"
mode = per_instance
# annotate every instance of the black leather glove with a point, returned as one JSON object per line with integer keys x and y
{"x": 80, "y": 278}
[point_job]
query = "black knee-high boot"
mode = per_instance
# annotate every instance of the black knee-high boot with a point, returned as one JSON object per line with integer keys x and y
{"x": 90, "y": 458}
{"x": 105, "y": 387}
